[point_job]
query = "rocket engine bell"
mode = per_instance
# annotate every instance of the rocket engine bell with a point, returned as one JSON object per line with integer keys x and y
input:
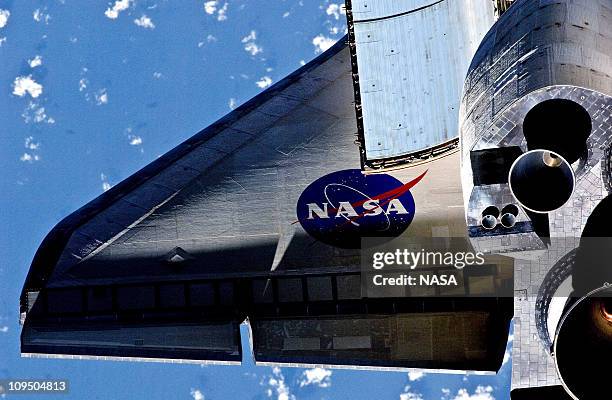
{"x": 583, "y": 345}
{"x": 583, "y": 342}
{"x": 541, "y": 181}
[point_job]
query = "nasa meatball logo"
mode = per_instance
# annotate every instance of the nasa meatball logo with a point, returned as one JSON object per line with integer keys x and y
{"x": 344, "y": 206}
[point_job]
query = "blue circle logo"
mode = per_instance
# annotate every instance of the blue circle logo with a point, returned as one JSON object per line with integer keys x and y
{"x": 344, "y": 206}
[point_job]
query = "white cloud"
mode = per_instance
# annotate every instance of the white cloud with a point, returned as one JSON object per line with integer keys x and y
{"x": 145, "y": 22}
{"x": 250, "y": 46}
{"x": 334, "y": 30}
{"x": 507, "y": 354}
{"x": 101, "y": 97}
{"x": 37, "y": 114}
{"x": 232, "y": 103}
{"x": 4, "y": 329}
{"x": 264, "y": 82}
{"x": 209, "y": 39}
{"x": 135, "y": 140}
{"x": 335, "y": 10}
{"x": 35, "y": 62}
{"x": 27, "y": 157}
{"x": 4, "y": 16}
{"x": 83, "y": 84}
{"x": 2, "y": 40}
{"x": 210, "y": 7}
{"x": 25, "y": 84}
{"x": 250, "y": 37}
{"x": 222, "y": 13}
{"x": 120, "y": 5}
{"x": 197, "y": 394}
{"x": 105, "y": 184}
{"x": 506, "y": 357}
{"x": 30, "y": 144}
{"x": 98, "y": 96}
{"x": 157, "y": 75}
{"x": 322, "y": 43}
{"x": 277, "y": 384}
{"x": 415, "y": 375}
{"x": 39, "y": 15}
{"x": 410, "y": 395}
{"x": 481, "y": 393}
{"x": 286, "y": 14}
{"x": 335, "y": 25}
{"x": 320, "y": 377}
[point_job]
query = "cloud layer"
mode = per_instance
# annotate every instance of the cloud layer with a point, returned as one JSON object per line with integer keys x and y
{"x": 27, "y": 85}
{"x": 4, "y": 16}
{"x": 120, "y": 5}
{"x": 320, "y": 377}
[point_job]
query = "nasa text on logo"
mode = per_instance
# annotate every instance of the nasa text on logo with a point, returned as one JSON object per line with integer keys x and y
{"x": 342, "y": 207}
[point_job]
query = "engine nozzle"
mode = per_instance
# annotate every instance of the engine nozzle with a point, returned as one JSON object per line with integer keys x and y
{"x": 541, "y": 181}
{"x": 583, "y": 346}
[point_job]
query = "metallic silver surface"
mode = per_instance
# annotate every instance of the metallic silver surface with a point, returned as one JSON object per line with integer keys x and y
{"x": 551, "y": 283}
{"x": 537, "y": 51}
{"x": 412, "y": 57}
{"x": 237, "y": 189}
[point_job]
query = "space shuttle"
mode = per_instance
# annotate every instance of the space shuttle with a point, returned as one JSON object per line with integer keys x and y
{"x": 486, "y": 121}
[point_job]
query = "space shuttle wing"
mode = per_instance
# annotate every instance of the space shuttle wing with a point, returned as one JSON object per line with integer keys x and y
{"x": 219, "y": 204}
{"x": 226, "y": 188}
